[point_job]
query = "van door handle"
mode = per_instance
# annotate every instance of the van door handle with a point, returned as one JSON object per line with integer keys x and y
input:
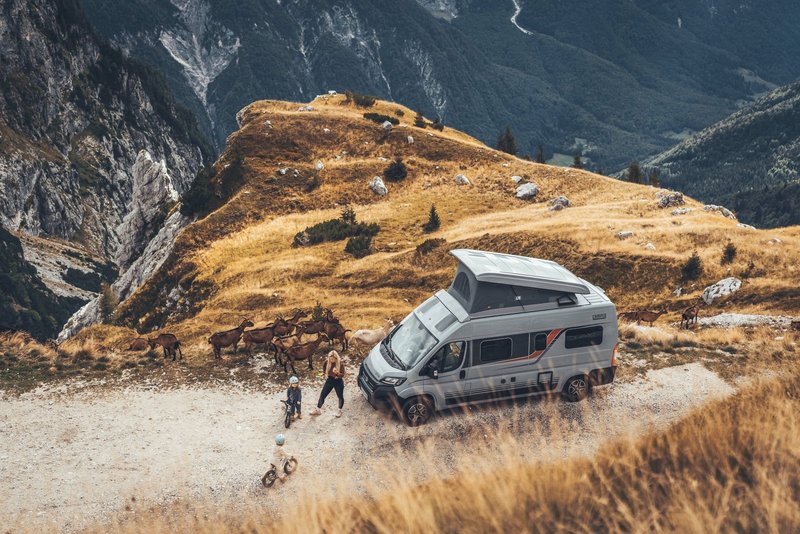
{"x": 462, "y": 375}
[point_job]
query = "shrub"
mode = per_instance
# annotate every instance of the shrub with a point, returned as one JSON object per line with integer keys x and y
{"x": 437, "y": 125}
{"x": 396, "y": 171}
{"x": 335, "y": 230}
{"x": 362, "y": 101}
{"x": 433, "y": 221}
{"x": 693, "y": 268}
{"x": 728, "y": 253}
{"x": 429, "y": 245}
{"x": 108, "y": 303}
{"x": 359, "y": 246}
{"x": 90, "y": 281}
{"x": 419, "y": 120}
{"x": 380, "y": 118}
{"x": 399, "y": 112}
{"x": 318, "y": 312}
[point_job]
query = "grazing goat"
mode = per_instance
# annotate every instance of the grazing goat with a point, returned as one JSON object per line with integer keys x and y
{"x": 258, "y": 336}
{"x": 629, "y": 316}
{"x": 137, "y": 343}
{"x": 282, "y": 343}
{"x": 648, "y": 316}
{"x": 220, "y": 340}
{"x": 689, "y": 315}
{"x": 370, "y": 338}
{"x": 169, "y": 343}
{"x": 336, "y": 332}
{"x": 302, "y": 352}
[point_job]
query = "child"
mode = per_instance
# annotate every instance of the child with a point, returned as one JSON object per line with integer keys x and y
{"x": 294, "y": 396}
{"x": 279, "y": 457}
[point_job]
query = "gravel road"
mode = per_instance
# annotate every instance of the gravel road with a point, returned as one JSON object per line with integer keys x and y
{"x": 71, "y": 458}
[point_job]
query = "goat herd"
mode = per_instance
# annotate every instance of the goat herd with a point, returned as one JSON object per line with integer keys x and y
{"x": 283, "y": 336}
{"x": 688, "y": 316}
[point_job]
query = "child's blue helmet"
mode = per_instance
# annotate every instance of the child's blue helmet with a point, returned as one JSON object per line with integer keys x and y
{"x": 280, "y": 439}
{"x": 293, "y": 380}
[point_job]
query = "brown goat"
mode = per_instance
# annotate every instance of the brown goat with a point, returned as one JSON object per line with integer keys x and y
{"x": 648, "y": 316}
{"x": 220, "y": 340}
{"x": 137, "y": 343}
{"x": 169, "y": 343}
{"x": 628, "y": 316}
{"x": 302, "y": 352}
{"x": 336, "y": 332}
{"x": 280, "y": 344}
{"x": 689, "y": 315}
{"x": 258, "y": 336}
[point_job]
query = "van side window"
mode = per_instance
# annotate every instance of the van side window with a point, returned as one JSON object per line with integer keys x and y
{"x": 461, "y": 285}
{"x": 495, "y": 350}
{"x": 583, "y": 337}
{"x": 449, "y": 357}
{"x": 539, "y": 341}
{"x": 491, "y": 296}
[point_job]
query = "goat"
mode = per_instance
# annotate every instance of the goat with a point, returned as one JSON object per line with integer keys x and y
{"x": 314, "y": 326}
{"x": 648, "y": 316}
{"x": 302, "y": 352}
{"x": 280, "y": 344}
{"x": 137, "y": 343}
{"x": 628, "y": 316}
{"x": 689, "y": 315}
{"x": 169, "y": 343}
{"x": 335, "y": 332}
{"x": 370, "y": 338}
{"x": 257, "y": 336}
{"x": 220, "y": 340}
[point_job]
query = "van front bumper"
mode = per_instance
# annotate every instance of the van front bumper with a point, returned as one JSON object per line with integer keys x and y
{"x": 379, "y": 396}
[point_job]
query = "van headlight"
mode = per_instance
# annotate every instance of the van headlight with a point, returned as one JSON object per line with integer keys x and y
{"x": 392, "y": 381}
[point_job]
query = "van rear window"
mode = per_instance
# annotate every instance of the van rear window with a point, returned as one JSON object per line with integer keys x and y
{"x": 583, "y": 337}
{"x": 495, "y": 350}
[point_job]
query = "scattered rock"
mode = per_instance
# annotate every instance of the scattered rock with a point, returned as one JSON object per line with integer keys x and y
{"x": 527, "y": 191}
{"x": 410, "y": 140}
{"x": 724, "y": 287}
{"x": 625, "y": 234}
{"x": 745, "y": 226}
{"x": 670, "y": 199}
{"x": 387, "y": 126}
{"x": 649, "y": 246}
{"x": 517, "y": 179}
{"x": 722, "y": 210}
{"x": 774, "y": 241}
{"x": 378, "y": 187}
{"x": 681, "y": 211}
{"x": 559, "y": 203}
{"x": 319, "y": 166}
{"x": 305, "y": 108}
{"x": 462, "y": 180}
{"x": 268, "y": 124}
{"x": 678, "y": 292}
{"x": 326, "y": 130}
{"x": 732, "y": 320}
{"x": 283, "y": 171}
{"x": 332, "y": 92}
{"x": 505, "y": 165}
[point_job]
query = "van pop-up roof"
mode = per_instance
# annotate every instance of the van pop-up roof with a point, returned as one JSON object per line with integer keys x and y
{"x": 489, "y": 283}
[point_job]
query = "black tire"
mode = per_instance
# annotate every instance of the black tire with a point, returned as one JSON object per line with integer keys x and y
{"x": 576, "y": 389}
{"x": 288, "y": 420}
{"x": 269, "y": 478}
{"x": 290, "y": 466}
{"x": 417, "y": 411}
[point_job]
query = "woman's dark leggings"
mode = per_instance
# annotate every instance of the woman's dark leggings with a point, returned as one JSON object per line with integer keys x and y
{"x": 332, "y": 383}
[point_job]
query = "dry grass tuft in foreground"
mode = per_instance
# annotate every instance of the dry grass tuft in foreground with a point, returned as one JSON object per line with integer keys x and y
{"x": 733, "y": 465}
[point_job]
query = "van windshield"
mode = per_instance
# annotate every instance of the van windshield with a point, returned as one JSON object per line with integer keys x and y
{"x": 411, "y": 341}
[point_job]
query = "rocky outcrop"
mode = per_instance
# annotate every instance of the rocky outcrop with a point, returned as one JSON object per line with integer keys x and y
{"x": 559, "y": 203}
{"x": 670, "y": 199}
{"x": 723, "y": 288}
{"x": 527, "y": 191}
{"x": 725, "y": 212}
{"x": 378, "y": 187}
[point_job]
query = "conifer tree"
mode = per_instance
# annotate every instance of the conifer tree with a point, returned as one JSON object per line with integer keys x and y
{"x": 576, "y": 160}
{"x": 433, "y": 220}
{"x": 634, "y": 173}
{"x": 507, "y": 142}
{"x": 654, "y": 180}
{"x": 539, "y": 154}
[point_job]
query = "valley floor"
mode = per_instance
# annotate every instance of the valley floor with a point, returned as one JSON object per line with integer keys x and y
{"x": 73, "y": 457}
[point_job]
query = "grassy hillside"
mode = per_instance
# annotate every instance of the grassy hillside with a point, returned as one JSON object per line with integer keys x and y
{"x": 239, "y": 260}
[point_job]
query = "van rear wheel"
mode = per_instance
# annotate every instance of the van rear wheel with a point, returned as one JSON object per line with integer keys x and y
{"x": 576, "y": 389}
{"x": 417, "y": 411}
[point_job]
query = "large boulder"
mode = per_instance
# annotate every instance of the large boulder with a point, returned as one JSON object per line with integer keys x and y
{"x": 725, "y": 212}
{"x": 725, "y": 287}
{"x": 527, "y": 191}
{"x": 462, "y": 180}
{"x": 378, "y": 187}
{"x": 558, "y": 204}
{"x": 387, "y": 126}
{"x": 670, "y": 199}
{"x": 625, "y": 234}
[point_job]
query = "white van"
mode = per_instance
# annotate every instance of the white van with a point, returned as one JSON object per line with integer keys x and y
{"x": 508, "y": 327}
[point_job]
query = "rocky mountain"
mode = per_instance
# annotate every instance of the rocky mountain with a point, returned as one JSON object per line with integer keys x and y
{"x": 749, "y": 161}
{"x": 618, "y": 79}
{"x": 94, "y": 152}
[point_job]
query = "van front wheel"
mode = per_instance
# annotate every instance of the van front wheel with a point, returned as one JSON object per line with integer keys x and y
{"x": 417, "y": 411}
{"x": 576, "y": 389}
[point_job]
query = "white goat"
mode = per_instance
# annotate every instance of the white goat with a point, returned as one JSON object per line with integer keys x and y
{"x": 370, "y": 338}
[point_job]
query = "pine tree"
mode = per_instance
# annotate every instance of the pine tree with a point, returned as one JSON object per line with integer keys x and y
{"x": 539, "y": 154}
{"x": 419, "y": 120}
{"x": 433, "y": 221}
{"x": 634, "y": 174}
{"x": 348, "y": 215}
{"x": 576, "y": 160}
{"x": 108, "y": 302}
{"x": 654, "y": 180}
{"x": 507, "y": 142}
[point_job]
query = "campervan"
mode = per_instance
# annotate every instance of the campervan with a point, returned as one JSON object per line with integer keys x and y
{"x": 507, "y": 327}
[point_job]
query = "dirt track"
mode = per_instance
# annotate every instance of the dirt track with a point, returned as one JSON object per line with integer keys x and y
{"x": 72, "y": 459}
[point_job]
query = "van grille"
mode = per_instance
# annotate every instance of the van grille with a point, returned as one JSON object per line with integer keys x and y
{"x": 365, "y": 379}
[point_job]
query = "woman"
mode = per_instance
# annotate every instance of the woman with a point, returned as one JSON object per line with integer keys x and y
{"x": 333, "y": 370}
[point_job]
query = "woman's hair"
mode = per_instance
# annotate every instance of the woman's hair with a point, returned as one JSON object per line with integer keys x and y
{"x": 338, "y": 365}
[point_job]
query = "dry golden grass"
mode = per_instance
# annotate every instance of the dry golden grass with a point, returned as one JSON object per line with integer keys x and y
{"x": 733, "y": 465}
